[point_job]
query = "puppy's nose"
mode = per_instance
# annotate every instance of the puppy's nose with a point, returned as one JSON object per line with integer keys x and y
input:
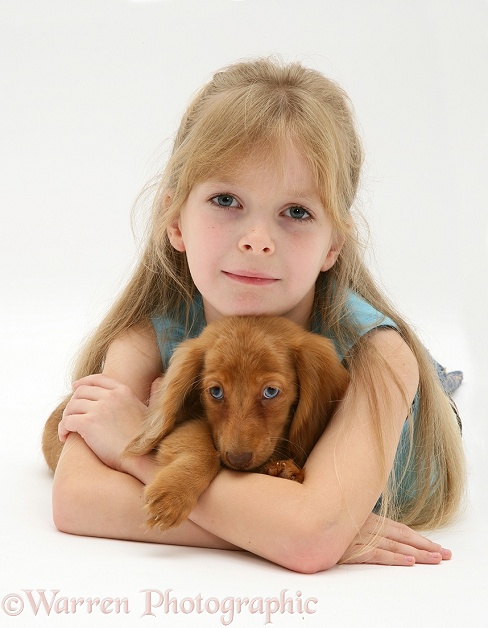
{"x": 238, "y": 459}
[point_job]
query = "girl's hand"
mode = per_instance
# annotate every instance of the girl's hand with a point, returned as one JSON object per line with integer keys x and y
{"x": 396, "y": 544}
{"x": 106, "y": 414}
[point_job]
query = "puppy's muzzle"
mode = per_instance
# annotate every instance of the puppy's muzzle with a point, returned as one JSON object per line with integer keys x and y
{"x": 238, "y": 459}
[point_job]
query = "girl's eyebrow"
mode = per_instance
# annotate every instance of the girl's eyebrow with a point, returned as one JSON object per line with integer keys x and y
{"x": 218, "y": 182}
{"x": 310, "y": 196}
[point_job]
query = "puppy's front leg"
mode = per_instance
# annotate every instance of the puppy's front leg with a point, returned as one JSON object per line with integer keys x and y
{"x": 189, "y": 463}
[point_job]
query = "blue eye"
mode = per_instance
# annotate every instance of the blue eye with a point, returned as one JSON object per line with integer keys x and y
{"x": 216, "y": 392}
{"x": 270, "y": 393}
{"x": 297, "y": 212}
{"x": 225, "y": 200}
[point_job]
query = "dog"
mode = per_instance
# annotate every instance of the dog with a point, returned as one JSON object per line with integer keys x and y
{"x": 251, "y": 393}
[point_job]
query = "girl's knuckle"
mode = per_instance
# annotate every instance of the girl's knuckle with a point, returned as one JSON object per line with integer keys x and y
{"x": 374, "y": 555}
{"x": 404, "y": 531}
{"x": 393, "y": 546}
{"x": 80, "y": 392}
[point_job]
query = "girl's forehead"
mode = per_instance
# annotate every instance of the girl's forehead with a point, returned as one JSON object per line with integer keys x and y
{"x": 287, "y": 168}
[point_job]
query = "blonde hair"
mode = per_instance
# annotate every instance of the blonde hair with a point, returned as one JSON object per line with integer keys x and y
{"x": 259, "y": 105}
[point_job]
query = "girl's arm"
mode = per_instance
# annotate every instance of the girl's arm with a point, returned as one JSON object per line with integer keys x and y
{"x": 91, "y": 498}
{"x": 308, "y": 527}
{"x": 305, "y": 527}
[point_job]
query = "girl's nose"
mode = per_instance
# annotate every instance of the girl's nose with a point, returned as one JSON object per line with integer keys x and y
{"x": 257, "y": 240}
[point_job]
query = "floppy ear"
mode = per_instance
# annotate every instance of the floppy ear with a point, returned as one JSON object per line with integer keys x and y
{"x": 322, "y": 382}
{"x": 177, "y": 398}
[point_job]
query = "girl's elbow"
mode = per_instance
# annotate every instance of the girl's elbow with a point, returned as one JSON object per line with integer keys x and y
{"x": 310, "y": 561}
{"x": 314, "y": 548}
{"x": 306, "y": 564}
{"x": 67, "y": 497}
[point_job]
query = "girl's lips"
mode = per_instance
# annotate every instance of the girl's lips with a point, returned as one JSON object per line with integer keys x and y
{"x": 250, "y": 278}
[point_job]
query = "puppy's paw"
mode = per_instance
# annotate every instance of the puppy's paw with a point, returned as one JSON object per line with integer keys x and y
{"x": 168, "y": 507}
{"x": 284, "y": 469}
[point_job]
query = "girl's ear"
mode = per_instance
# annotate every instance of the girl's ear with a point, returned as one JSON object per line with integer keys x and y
{"x": 176, "y": 236}
{"x": 335, "y": 249}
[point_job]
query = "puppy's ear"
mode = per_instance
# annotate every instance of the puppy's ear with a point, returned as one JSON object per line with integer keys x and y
{"x": 177, "y": 398}
{"x": 51, "y": 445}
{"x": 322, "y": 383}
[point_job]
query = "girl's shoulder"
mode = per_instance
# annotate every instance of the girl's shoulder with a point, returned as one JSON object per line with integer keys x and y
{"x": 358, "y": 317}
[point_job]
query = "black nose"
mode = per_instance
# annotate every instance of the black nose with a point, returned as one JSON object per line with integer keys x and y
{"x": 238, "y": 459}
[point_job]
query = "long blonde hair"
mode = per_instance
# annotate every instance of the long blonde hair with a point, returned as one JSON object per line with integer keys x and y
{"x": 257, "y": 105}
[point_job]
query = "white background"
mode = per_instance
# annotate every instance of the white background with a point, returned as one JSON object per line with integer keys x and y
{"x": 90, "y": 95}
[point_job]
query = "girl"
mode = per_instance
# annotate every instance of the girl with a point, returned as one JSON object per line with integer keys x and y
{"x": 253, "y": 216}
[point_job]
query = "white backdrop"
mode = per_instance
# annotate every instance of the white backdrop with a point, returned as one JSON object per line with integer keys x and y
{"x": 91, "y": 92}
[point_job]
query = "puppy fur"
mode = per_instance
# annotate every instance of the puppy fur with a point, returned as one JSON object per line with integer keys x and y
{"x": 251, "y": 393}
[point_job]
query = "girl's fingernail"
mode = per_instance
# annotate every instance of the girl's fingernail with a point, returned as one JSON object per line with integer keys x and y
{"x": 410, "y": 559}
{"x": 446, "y": 554}
{"x": 436, "y": 555}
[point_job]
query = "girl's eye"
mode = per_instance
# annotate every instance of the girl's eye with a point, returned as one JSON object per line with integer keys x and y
{"x": 216, "y": 392}
{"x": 225, "y": 200}
{"x": 297, "y": 212}
{"x": 270, "y": 393}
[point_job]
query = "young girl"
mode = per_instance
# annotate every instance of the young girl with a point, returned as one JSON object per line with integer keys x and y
{"x": 253, "y": 216}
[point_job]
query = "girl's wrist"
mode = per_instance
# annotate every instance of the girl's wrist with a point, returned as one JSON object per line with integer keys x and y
{"x": 143, "y": 468}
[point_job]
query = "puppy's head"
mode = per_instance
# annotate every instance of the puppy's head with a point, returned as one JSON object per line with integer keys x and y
{"x": 248, "y": 388}
{"x": 266, "y": 387}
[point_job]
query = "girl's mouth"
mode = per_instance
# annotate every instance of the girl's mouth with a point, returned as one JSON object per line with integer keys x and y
{"x": 251, "y": 278}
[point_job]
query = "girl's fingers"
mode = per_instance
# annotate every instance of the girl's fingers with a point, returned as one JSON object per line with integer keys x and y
{"x": 69, "y": 424}
{"x": 76, "y": 409}
{"x": 98, "y": 379}
{"x": 402, "y": 534}
{"x": 387, "y": 552}
{"x": 89, "y": 392}
{"x": 387, "y": 542}
{"x": 77, "y": 406}
{"x": 376, "y": 556}
{"x": 420, "y": 556}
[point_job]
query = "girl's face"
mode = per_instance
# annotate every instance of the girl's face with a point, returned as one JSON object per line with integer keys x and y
{"x": 256, "y": 241}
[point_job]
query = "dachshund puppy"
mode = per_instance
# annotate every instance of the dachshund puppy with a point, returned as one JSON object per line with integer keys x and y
{"x": 252, "y": 393}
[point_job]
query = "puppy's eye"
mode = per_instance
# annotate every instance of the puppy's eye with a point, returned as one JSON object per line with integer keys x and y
{"x": 270, "y": 393}
{"x": 216, "y": 392}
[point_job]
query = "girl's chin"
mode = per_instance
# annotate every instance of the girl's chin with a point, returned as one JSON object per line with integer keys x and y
{"x": 213, "y": 313}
